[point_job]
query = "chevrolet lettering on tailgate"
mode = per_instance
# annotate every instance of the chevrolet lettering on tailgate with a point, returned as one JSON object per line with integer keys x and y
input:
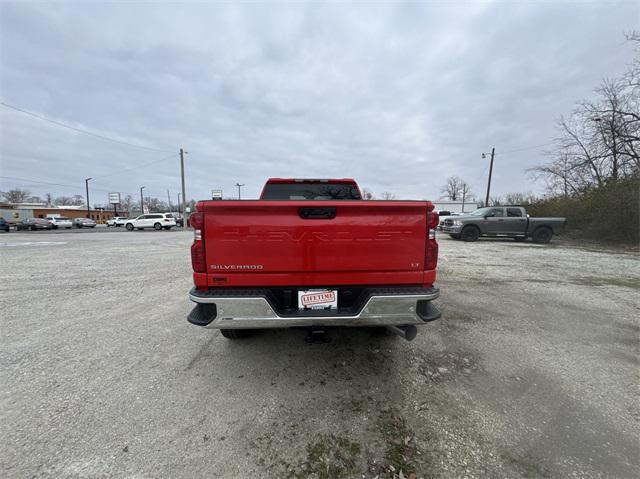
{"x": 310, "y": 253}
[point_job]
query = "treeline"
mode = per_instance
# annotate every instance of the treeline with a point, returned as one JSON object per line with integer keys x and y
{"x": 19, "y": 195}
{"x": 609, "y": 213}
{"x": 128, "y": 202}
{"x": 593, "y": 172}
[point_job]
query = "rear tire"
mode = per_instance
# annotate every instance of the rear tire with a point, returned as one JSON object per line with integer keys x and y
{"x": 234, "y": 333}
{"x": 470, "y": 234}
{"x": 129, "y": 227}
{"x": 157, "y": 227}
{"x": 542, "y": 235}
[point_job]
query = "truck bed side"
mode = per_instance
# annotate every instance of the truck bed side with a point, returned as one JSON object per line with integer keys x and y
{"x": 556, "y": 225}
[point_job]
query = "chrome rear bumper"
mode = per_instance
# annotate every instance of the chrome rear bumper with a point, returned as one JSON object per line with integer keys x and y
{"x": 253, "y": 312}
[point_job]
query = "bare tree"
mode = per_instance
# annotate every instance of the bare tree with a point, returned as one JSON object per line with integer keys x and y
{"x": 367, "y": 194}
{"x": 48, "y": 198}
{"x": 16, "y": 195}
{"x": 599, "y": 143}
{"x": 387, "y": 196}
{"x": 495, "y": 201}
{"x": 455, "y": 189}
{"x": 127, "y": 203}
{"x": 520, "y": 198}
{"x": 76, "y": 200}
{"x": 452, "y": 190}
{"x": 156, "y": 205}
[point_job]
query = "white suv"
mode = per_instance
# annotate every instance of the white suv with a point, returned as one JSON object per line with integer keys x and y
{"x": 157, "y": 221}
{"x": 59, "y": 222}
{"x": 116, "y": 221}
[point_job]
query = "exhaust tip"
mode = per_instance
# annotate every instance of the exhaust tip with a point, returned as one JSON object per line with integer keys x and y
{"x": 408, "y": 332}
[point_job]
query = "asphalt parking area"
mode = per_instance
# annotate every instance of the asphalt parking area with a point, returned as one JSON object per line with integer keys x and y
{"x": 533, "y": 372}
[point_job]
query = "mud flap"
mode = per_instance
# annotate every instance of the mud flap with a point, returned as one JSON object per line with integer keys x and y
{"x": 202, "y": 314}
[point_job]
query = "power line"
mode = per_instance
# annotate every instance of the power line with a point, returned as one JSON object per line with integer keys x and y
{"x": 139, "y": 166}
{"x": 33, "y": 182}
{"x": 534, "y": 147}
{"x": 80, "y": 130}
{"x": 36, "y": 181}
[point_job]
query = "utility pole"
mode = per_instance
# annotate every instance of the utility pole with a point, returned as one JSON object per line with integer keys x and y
{"x": 464, "y": 195}
{"x": 486, "y": 201}
{"x": 184, "y": 197}
{"x": 179, "y": 203}
{"x": 239, "y": 186}
{"x": 141, "y": 201}
{"x": 169, "y": 200}
{"x": 86, "y": 183}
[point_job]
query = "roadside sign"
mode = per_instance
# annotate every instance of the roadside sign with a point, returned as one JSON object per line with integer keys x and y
{"x": 145, "y": 210}
{"x": 188, "y": 209}
{"x": 216, "y": 194}
{"x": 114, "y": 198}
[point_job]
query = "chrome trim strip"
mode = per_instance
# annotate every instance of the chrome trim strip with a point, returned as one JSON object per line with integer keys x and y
{"x": 254, "y": 313}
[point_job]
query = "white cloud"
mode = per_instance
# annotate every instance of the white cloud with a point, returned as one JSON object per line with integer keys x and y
{"x": 399, "y": 96}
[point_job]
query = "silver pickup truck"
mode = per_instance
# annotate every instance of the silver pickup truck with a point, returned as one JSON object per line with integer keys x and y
{"x": 509, "y": 221}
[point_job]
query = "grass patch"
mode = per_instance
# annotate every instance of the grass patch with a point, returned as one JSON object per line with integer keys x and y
{"x": 330, "y": 457}
{"x": 400, "y": 444}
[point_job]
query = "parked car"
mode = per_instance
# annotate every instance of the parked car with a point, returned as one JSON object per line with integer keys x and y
{"x": 59, "y": 222}
{"x": 117, "y": 221}
{"x": 508, "y": 221}
{"x": 84, "y": 223}
{"x": 443, "y": 215}
{"x": 178, "y": 217}
{"x": 33, "y": 224}
{"x": 311, "y": 253}
{"x": 4, "y": 226}
{"x": 157, "y": 221}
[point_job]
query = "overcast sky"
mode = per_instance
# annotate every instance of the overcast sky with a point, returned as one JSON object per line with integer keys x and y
{"x": 397, "y": 95}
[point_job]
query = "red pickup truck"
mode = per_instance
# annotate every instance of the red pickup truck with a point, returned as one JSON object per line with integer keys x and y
{"x": 312, "y": 253}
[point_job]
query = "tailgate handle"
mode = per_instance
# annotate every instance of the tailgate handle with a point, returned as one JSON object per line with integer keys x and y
{"x": 317, "y": 213}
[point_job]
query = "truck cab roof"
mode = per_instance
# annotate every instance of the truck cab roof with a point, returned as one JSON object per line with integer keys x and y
{"x": 311, "y": 189}
{"x": 292, "y": 181}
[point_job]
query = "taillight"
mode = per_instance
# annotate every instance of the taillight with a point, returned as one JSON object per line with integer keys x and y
{"x": 431, "y": 246}
{"x": 198, "y": 257}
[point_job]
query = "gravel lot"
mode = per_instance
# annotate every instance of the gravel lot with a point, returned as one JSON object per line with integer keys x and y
{"x": 532, "y": 372}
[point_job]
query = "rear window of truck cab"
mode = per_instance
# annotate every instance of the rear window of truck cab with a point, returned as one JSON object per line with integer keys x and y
{"x": 310, "y": 191}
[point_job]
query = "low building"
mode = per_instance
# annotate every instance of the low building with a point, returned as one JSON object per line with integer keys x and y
{"x": 100, "y": 216}
{"x": 455, "y": 206}
{"x": 14, "y": 212}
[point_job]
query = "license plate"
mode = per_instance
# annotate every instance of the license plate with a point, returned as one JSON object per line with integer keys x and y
{"x": 318, "y": 299}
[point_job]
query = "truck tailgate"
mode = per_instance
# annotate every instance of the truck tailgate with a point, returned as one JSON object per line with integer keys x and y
{"x": 314, "y": 242}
